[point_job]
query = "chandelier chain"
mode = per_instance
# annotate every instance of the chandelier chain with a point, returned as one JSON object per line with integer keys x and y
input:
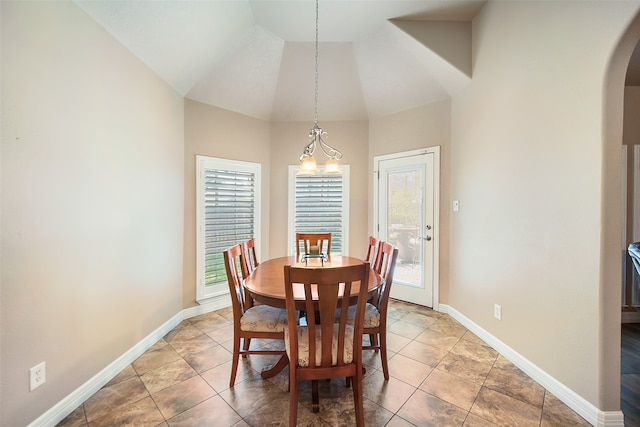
{"x": 316, "y": 104}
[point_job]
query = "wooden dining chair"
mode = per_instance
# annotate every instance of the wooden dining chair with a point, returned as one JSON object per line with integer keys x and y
{"x": 261, "y": 321}
{"x": 375, "y": 316}
{"x": 251, "y": 259}
{"x": 304, "y": 241}
{"x": 323, "y": 349}
{"x": 372, "y": 251}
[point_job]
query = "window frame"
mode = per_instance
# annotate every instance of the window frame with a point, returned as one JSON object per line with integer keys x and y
{"x": 293, "y": 172}
{"x": 205, "y": 294}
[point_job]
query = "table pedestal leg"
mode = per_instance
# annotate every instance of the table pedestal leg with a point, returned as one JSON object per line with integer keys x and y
{"x": 276, "y": 368}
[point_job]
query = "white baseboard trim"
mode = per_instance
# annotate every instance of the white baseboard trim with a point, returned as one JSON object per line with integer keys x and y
{"x": 69, "y": 404}
{"x": 574, "y": 401}
{"x": 207, "y": 306}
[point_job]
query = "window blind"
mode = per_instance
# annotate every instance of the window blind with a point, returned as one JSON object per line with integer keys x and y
{"x": 319, "y": 207}
{"x": 229, "y": 206}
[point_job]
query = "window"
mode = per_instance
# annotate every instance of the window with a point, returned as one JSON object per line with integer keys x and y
{"x": 320, "y": 203}
{"x": 227, "y": 213}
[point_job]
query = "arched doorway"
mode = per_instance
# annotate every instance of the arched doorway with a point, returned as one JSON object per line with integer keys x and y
{"x": 612, "y": 128}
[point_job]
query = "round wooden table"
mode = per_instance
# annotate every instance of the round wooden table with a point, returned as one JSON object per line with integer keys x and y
{"x": 266, "y": 285}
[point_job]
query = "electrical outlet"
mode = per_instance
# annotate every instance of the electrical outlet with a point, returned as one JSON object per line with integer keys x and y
{"x": 497, "y": 312}
{"x": 37, "y": 376}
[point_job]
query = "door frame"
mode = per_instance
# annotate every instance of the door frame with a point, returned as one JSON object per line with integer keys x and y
{"x": 436, "y": 208}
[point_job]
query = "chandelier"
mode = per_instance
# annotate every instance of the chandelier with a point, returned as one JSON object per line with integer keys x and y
{"x": 308, "y": 164}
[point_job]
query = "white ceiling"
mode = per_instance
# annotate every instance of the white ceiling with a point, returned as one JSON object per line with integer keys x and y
{"x": 257, "y": 57}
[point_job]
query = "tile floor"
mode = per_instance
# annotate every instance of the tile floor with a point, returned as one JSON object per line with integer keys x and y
{"x": 441, "y": 375}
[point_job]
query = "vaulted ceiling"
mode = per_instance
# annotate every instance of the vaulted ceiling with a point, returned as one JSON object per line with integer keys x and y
{"x": 257, "y": 57}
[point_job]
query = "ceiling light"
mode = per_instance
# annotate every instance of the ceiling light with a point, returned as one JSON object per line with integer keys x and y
{"x": 308, "y": 164}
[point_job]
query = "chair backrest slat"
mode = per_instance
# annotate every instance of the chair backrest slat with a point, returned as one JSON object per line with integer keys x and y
{"x": 233, "y": 263}
{"x": 385, "y": 266}
{"x": 373, "y": 250}
{"x": 304, "y": 241}
{"x": 250, "y": 257}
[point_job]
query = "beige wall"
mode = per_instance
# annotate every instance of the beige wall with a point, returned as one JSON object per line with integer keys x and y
{"x": 527, "y": 166}
{"x": 214, "y": 132}
{"x": 422, "y": 127}
{"x": 287, "y": 142}
{"x": 631, "y": 134}
{"x": 92, "y": 203}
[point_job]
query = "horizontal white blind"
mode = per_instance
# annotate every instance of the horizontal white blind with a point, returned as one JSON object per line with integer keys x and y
{"x": 229, "y": 206}
{"x": 319, "y": 207}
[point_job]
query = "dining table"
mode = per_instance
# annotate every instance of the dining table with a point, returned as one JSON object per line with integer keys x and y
{"x": 266, "y": 286}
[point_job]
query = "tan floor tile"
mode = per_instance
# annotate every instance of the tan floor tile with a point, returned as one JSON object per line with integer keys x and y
{"x": 423, "y": 409}
{"x": 218, "y": 377}
{"x": 222, "y": 335}
{"x": 470, "y": 336}
{"x": 152, "y": 359}
{"x": 167, "y": 375}
{"x": 212, "y": 412}
{"x": 504, "y": 410}
{"x": 194, "y": 344}
{"x": 391, "y": 394}
{"x": 475, "y": 421}
{"x": 475, "y": 351}
{"x": 465, "y": 368}
{"x": 183, "y": 332}
{"x": 250, "y": 395}
{"x": 510, "y": 380}
{"x": 112, "y": 398}
{"x": 182, "y": 396}
{"x": 395, "y": 342}
{"x": 330, "y": 393}
{"x": 423, "y": 353}
{"x": 342, "y": 414}
{"x": 158, "y": 345}
{"x": 75, "y": 419}
{"x": 207, "y": 359}
{"x": 398, "y": 421}
{"x": 557, "y": 414}
{"x": 211, "y": 323}
{"x": 408, "y": 370}
{"x": 452, "y": 389}
{"x": 276, "y": 413}
{"x": 419, "y": 319}
{"x": 125, "y": 374}
{"x": 371, "y": 358}
{"x": 141, "y": 413}
{"x": 437, "y": 339}
{"x": 449, "y": 327}
{"x": 405, "y": 329}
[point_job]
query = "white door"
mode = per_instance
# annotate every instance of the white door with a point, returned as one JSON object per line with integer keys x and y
{"x": 406, "y": 193}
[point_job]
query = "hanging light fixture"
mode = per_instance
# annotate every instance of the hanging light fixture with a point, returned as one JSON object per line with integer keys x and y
{"x": 308, "y": 164}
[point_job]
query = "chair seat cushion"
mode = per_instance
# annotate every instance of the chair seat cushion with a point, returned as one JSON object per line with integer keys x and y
{"x": 303, "y": 345}
{"x": 264, "y": 318}
{"x": 371, "y": 315}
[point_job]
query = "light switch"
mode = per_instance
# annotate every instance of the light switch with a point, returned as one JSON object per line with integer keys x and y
{"x": 456, "y": 205}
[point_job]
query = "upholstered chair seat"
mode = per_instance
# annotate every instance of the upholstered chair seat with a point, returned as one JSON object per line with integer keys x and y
{"x": 303, "y": 345}
{"x": 264, "y": 318}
